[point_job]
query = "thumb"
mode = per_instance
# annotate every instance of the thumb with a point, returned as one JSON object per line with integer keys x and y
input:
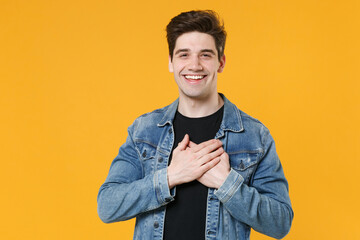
{"x": 192, "y": 144}
{"x": 183, "y": 144}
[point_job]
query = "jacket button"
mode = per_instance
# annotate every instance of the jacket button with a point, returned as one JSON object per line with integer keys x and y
{"x": 242, "y": 165}
{"x": 170, "y": 130}
{"x": 156, "y": 224}
{"x": 161, "y": 159}
{"x": 144, "y": 154}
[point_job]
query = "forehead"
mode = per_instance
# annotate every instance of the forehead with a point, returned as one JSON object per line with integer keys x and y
{"x": 195, "y": 41}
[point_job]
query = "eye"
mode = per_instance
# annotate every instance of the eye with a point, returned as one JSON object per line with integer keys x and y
{"x": 206, "y": 55}
{"x": 183, "y": 55}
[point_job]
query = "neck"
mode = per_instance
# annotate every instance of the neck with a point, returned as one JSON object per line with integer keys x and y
{"x": 195, "y": 108}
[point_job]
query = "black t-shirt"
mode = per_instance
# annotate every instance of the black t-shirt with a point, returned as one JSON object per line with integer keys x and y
{"x": 185, "y": 217}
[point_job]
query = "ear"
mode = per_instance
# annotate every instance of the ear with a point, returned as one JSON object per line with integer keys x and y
{"x": 171, "y": 68}
{"x": 222, "y": 64}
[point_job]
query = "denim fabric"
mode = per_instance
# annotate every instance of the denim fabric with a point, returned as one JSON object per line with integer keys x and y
{"x": 254, "y": 195}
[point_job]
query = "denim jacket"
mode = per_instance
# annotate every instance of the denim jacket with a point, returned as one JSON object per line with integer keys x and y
{"x": 254, "y": 195}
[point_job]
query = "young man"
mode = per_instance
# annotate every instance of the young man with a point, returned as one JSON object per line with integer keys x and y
{"x": 199, "y": 168}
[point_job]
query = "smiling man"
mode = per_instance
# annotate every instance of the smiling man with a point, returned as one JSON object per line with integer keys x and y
{"x": 199, "y": 168}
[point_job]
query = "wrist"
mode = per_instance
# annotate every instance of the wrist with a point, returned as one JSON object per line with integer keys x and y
{"x": 222, "y": 179}
{"x": 171, "y": 178}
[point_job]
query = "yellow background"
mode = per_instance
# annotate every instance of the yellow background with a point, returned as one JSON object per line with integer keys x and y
{"x": 75, "y": 74}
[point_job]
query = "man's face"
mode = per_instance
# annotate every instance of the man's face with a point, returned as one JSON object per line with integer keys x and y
{"x": 195, "y": 65}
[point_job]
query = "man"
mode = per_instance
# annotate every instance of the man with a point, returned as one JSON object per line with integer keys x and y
{"x": 199, "y": 168}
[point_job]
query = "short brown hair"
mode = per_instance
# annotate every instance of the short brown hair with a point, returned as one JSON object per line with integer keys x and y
{"x": 204, "y": 21}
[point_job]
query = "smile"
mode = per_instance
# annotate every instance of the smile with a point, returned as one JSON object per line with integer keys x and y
{"x": 194, "y": 77}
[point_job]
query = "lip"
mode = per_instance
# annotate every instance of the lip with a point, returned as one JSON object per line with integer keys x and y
{"x": 194, "y": 81}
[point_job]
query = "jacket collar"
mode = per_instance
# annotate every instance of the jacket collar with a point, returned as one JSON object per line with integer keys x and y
{"x": 169, "y": 114}
{"x": 231, "y": 118}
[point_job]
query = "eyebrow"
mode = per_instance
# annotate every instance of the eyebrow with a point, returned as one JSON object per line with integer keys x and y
{"x": 182, "y": 50}
{"x": 188, "y": 50}
{"x": 208, "y": 51}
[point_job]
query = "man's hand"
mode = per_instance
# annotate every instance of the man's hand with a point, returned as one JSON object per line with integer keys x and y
{"x": 215, "y": 176}
{"x": 190, "y": 163}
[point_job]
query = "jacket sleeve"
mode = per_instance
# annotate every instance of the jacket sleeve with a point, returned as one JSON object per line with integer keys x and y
{"x": 126, "y": 192}
{"x": 264, "y": 204}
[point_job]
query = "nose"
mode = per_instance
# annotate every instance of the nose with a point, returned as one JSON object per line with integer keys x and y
{"x": 195, "y": 64}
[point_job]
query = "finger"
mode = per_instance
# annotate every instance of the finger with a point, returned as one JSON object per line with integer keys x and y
{"x": 209, "y": 165}
{"x": 204, "y": 144}
{"x": 182, "y": 145}
{"x": 224, "y": 156}
{"x": 218, "y": 153}
{"x": 192, "y": 144}
{"x": 209, "y": 148}
{"x": 225, "y": 159}
{"x": 210, "y": 156}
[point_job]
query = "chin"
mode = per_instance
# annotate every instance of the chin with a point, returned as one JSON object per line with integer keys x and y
{"x": 194, "y": 95}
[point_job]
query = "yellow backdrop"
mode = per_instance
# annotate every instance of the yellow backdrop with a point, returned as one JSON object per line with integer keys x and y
{"x": 75, "y": 74}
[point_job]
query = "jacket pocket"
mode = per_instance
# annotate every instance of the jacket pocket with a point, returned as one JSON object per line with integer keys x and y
{"x": 147, "y": 153}
{"x": 244, "y": 162}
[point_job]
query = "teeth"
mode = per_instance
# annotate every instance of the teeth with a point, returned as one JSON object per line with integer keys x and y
{"x": 194, "y": 77}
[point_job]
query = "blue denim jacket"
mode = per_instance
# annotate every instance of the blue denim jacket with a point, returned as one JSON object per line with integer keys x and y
{"x": 254, "y": 195}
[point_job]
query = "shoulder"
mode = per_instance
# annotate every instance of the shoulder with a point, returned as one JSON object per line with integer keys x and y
{"x": 239, "y": 121}
{"x": 254, "y": 126}
{"x": 250, "y": 121}
{"x": 149, "y": 120}
{"x": 252, "y": 129}
{"x": 252, "y": 138}
{"x": 155, "y": 115}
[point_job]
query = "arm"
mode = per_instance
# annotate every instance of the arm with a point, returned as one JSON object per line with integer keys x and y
{"x": 265, "y": 204}
{"x": 126, "y": 191}
{"x": 190, "y": 161}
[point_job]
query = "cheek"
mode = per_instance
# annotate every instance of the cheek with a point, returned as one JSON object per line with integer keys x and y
{"x": 178, "y": 68}
{"x": 212, "y": 67}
